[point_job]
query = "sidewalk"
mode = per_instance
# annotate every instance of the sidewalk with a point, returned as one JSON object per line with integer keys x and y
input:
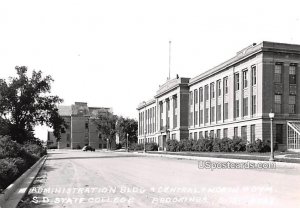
{"x": 279, "y": 157}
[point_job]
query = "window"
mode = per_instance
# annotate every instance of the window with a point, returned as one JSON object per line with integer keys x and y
{"x": 161, "y": 116}
{"x": 206, "y": 92}
{"x": 252, "y": 132}
{"x": 237, "y": 81}
{"x": 196, "y": 118}
{"x": 277, "y": 105}
{"x": 191, "y": 98}
{"x": 293, "y": 89}
{"x": 292, "y": 104}
{"x": 86, "y": 125}
{"x": 175, "y": 120}
{"x": 68, "y": 145}
{"x": 237, "y": 108}
{"x": 168, "y": 116}
{"x": 279, "y": 133}
{"x": 206, "y": 115}
{"x": 191, "y": 113}
{"x": 225, "y": 133}
{"x": 292, "y": 74}
{"x": 219, "y": 87}
{"x": 196, "y": 96}
{"x": 201, "y": 94}
{"x": 200, "y": 135}
{"x": 201, "y": 116}
{"x": 245, "y": 79}
{"x": 253, "y": 75}
{"x": 253, "y": 105}
{"x": 146, "y": 121}
{"x": 175, "y": 102}
{"x": 173, "y": 136}
{"x": 244, "y": 132}
{"x": 212, "y": 114}
{"x": 245, "y": 106}
{"x": 212, "y": 90}
{"x": 174, "y": 112}
{"x": 219, "y": 107}
{"x": 235, "y": 132}
{"x": 225, "y": 111}
{"x": 278, "y": 73}
{"x": 206, "y": 134}
{"x": 226, "y": 85}
{"x": 150, "y": 118}
{"x": 211, "y": 134}
{"x": 219, "y": 133}
{"x": 191, "y": 136}
{"x": 195, "y": 135}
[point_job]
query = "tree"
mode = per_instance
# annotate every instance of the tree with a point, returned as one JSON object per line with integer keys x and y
{"x": 25, "y": 102}
{"x": 127, "y": 126}
{"x": 106, "y": 125}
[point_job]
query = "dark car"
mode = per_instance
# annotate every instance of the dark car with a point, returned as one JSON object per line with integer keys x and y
{"x": 88, "y": 148}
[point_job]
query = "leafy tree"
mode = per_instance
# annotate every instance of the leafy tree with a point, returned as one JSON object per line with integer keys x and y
{"x": 127, "y": 126}
{"x": 106, "y": 124}
{"x": 25, "y": 103}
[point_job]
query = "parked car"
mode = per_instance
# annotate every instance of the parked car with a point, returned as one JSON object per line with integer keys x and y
{"x": 88, "y": 148}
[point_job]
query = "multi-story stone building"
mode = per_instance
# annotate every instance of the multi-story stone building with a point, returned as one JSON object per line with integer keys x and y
{"x": 236, "y": 97}
{"x": 82, "y": 129}
{"x": 165, "y": 116}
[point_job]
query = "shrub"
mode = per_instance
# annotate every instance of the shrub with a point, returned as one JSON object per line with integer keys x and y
{"x": 185, "y": 145}
{"x": 172, "y": 145}
{"x": 196, "y": 145}
{"x": 151, "y": 146}
{"x": 16, "y": 159}
{"x": 53, "y": 146}
{"x": 136, "y": 147}
{"x": 20, "y": 163}
{"x": 206, "y": 145}
{"x": 226, "y": 145}
{"x": 216, "y": 145}
{"x": 8, "y": 172}
{"x": 238, "y": 144}
{"x": 118, "y": 146}
{"x": 258, "y": 146}
{"x": 29, "y": 158}
{"x": 34, "y": 149}
{"x": 9, "y": 148}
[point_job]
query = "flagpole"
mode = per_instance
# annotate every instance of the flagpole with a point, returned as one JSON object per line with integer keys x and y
{"x": 169, "y": 60}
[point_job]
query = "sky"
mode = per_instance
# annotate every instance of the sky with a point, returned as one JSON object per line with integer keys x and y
{"x": 116, "y": 53}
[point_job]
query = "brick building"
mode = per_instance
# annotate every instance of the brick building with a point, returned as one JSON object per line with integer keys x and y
{"x": 81, "y": 129}
{"x": 231, "y": 99}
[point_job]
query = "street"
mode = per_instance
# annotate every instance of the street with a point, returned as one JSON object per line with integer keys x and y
{"x": 109, "y": 179}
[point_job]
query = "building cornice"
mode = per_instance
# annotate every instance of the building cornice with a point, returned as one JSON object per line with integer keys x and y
{"x": 145, "y": 104}
{"x": 244, "y": 54}
{"x": 170, "y": 85}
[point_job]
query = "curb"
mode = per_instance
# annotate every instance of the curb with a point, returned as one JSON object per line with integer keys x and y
{"x": 13, "y": 194}
{"x": 184, "y": 157}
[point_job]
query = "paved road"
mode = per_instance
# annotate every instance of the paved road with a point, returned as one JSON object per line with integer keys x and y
{"x": 108, "y": 179}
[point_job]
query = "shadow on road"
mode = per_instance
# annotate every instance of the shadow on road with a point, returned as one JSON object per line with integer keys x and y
{"x": 55, "y": 153}
{"x": 92, "y": 157}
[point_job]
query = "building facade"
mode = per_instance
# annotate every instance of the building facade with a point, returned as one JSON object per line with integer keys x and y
{"x": 235, "y": 98}
{"x": 81, "y": 127}
{"x": 165, "y": 116}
